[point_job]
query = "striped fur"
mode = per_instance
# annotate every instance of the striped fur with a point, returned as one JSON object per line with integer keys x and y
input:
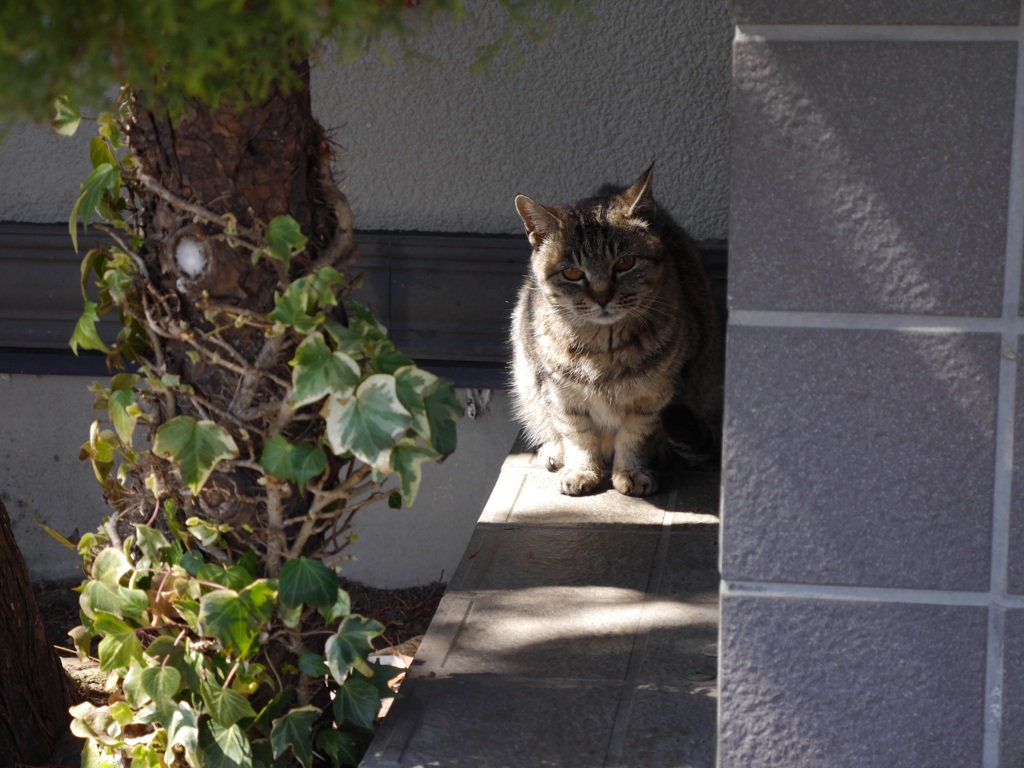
{"x": 617, "y": 349}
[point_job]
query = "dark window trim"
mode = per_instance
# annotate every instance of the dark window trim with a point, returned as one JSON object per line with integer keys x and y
{"x": 445, "y": 298}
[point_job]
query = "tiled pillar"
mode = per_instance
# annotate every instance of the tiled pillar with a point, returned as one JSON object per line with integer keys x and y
{"x": 873, "y": 522}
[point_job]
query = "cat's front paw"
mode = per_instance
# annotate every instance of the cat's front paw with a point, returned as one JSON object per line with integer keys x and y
{"x": 550, "y": 455}
{"x": 635, "y": 482}
{"x": 573, "y": 481}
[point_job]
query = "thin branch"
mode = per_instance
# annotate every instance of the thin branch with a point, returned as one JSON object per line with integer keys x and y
{"x": 268, "y": 356}
{"x": 226, "y": 223}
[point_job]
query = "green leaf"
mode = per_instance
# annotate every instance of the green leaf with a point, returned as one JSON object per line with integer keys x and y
{"x": 134, "y": 602}
{"x": 67, "y": 118}
{"x": 235, "y": 618}
{"x": 105, "y": 179}
{"x": 443, "y": 408}
{"x": 123, "y": 411}
{"x": 369, "y": 423}
{"x": 341, "y": 608}
{"x": 98, "y": 597}
{"x": 95, "y": 260}
{"x": 110, "y": 565}
{"x": 291, "y": 616}
{"x": 223, "y": 747}
{"x": 299, "y": 306}
{"x": 99, "y": 152}
{"x": 119, "y": 646}
{"x": 290, "y": 309}
{"x": 195, "y": 446}
{"x": 346, "y": 339}
{"x": 161, "y": 683}
{"x": 348, "y": 648}
{"x": 356, "y": 703}
{"x": 406, "y": 461}
{"x": 296, "y": 463}
{"x": 121, "y": 713}
{"x": 285, "y": 238}
{"x": 318, "y": 372}
{"x": 383, "y": 674}
{"x": 343, "y": 748}
{"x": 206, "y": 533}
{"x": 313, "y": 664}
{"x": 250, "y": 561}
{"x": 85, "y": 335}
{"x": 233, "y": 577}
{"x": 183, "y": 728}
{"x": 308, "y": 582}
{"x": 363, "y": 319}
{"x": 294, "y": 730}
{"x": 387, "y": 359}
{"x": 225, "y": 705}
{"x": 180, "y": 657}
{"x": 124, "y": 381}
{"x": 412, "y": 383}
{"x": 132, "y": 686}
{"x": 152, "y": 542}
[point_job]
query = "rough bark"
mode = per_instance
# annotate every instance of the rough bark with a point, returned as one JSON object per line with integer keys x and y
{"x": 252, "y": 164}
{"x": 34, "y": 691}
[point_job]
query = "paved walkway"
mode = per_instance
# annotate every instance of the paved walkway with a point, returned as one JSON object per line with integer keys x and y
{"x": 575, "y": 633}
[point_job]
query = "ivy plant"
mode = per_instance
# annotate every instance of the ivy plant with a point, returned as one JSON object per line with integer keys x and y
{"x": 214, "y": 607}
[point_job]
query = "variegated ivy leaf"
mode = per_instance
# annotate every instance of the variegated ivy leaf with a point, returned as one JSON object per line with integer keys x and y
{"x": 406, "y": 461}
{"x": 195, "y": 446}
{"x": 67, "y": 118}
{"x": 412, "y": 382}
{"x": 368, "y": 423}
{"x": 300, "y": 305}
{"x": 317, "y": 372}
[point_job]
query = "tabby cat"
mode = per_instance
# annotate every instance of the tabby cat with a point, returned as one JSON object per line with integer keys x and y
{"x": 617, "y": 347}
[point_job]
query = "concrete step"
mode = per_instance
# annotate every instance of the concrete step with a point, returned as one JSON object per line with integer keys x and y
{"x": 576, "y": 632}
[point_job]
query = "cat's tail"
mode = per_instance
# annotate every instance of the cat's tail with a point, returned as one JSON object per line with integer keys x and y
{"x": 697, "y": 440}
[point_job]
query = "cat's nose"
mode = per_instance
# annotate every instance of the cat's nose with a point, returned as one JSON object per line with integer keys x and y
{"x": 602, "y": 297}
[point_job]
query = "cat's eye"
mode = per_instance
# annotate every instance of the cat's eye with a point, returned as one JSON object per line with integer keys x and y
{"x": 572, "y": 273}
{"x": 624, "y": 263}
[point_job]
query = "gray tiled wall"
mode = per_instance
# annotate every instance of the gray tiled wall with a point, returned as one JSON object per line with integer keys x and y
{"x": 873, "y": 500}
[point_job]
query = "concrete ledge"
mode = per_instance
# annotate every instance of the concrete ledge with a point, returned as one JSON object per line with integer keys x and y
{"x": 575, "y": 632}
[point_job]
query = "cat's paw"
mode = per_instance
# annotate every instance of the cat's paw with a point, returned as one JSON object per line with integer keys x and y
{"x": 635, "y": 482}
{"x": 573, "y": 481}
{"x": 550, "y": 455}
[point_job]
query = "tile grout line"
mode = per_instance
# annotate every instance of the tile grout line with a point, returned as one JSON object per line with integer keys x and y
{"x": 858, "y": 33}
{"x": 1002, "y": 493}
{"x": 900, "y": 595}
{"x": 638, "y": 650}
{"x": 872, "y": 322}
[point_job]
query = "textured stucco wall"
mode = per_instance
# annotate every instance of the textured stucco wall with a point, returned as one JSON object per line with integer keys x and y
{"x": 873, "y": 514}
{"x": 432, "y": 147}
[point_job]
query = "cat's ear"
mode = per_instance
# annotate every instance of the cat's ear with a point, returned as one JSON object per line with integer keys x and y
{"x": 540, "y": 222}
{"x": 639, "y": 198}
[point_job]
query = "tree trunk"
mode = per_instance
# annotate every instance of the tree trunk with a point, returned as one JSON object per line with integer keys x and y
{"x": 34, "y": 690}
{"x": 250, "y": 164}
